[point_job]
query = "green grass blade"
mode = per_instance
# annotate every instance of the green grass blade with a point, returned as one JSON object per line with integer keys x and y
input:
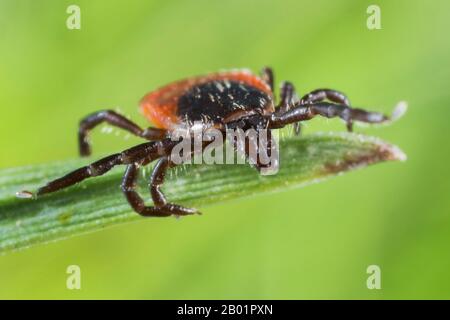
{"x": 97, "y": 203}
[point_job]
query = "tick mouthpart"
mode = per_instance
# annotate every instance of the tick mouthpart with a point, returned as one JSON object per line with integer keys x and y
{"x": 25, "y": 195}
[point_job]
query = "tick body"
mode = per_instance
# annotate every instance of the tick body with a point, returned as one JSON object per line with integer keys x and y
{"x": 211, "y": 98}
{"x": 224, "y": 100}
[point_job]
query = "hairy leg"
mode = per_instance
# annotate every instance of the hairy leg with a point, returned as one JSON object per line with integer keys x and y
{"x": 287, "y": 93}
{"x": 145, "y": 152}
{"x": 267, "y": 155}
{"x": 267, "y": 76}
{"x": 288, "y": 96}
{"x": 114, "y": 119}
{"x": 259, "y": 149}
{"x": 162, "y": 208}
{"x": 328, "y": 110}
{"x": 320, "y": 95}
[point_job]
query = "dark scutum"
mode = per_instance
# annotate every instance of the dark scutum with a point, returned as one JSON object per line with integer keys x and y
{"x": 215, "y": 100}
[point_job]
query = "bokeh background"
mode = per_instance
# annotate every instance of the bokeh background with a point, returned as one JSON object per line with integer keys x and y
{"x": 314, "y": 242}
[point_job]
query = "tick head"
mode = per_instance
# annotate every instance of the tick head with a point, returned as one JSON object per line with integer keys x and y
{"x": 255, "y": 120}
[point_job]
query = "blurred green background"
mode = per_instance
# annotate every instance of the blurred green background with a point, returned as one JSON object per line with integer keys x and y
{"x": 314, "y": 242}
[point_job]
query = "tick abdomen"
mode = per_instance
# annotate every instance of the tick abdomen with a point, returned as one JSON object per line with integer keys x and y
{"x": 213, "y": 96}
{"x": 215, "y": 100}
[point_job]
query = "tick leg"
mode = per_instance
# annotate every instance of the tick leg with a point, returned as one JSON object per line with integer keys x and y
{"x": 145, "y": 152}
{"x": 328, "y": 110}
{"x": 95, "y": 169}
{"x": 267, "y": 76}
{"x": 287, "y": 97}
{"x": 114, "y": 119}
{"x": 287, "y": 92}
{"x": 266, "y": 158}
{"x": 162, "y": 208}
{"x": 321, "y": 94}
{"x": 260, "y": 151}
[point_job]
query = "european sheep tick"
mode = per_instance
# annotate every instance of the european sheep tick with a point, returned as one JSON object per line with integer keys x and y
{"x": 233, "y": 99}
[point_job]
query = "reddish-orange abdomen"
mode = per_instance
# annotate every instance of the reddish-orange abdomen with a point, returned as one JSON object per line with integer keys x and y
{"x": 160, "y": 106}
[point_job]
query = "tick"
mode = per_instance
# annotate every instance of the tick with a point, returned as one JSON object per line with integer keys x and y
{"x": 223, "y": 100}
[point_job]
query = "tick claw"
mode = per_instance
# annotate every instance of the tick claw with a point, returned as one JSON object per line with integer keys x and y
{"x": 177, "y": 210}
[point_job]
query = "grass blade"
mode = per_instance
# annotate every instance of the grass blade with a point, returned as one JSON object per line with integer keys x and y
{"x": 97, "y": 203}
